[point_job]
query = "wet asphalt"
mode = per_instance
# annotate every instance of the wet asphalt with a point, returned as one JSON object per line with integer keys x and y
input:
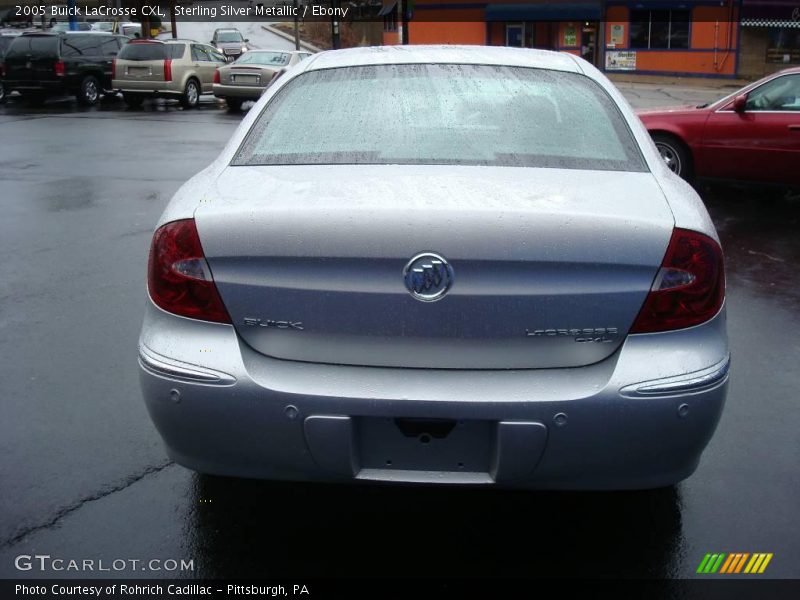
{"x": 84, "y": 476}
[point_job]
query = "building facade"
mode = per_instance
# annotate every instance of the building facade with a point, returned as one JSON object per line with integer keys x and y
{"x": 708, "y": 38}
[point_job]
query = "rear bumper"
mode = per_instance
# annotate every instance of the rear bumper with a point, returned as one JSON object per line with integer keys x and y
{"x": 237, "y": 91}
{"x": 35, "y": 86}
{"x": 639, "y": 419}
{"x": 152, "y": 88}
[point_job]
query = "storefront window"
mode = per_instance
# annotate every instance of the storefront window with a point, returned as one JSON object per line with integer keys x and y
{"x": 514, "y": 34}
{"x": 390, "y": 21}
{"x": 784, "y": 46}
{"x": 660, "y": 29}
{"x": 520, "y": 34}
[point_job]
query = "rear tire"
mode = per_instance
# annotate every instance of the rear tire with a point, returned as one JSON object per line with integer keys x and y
{"x": 89, "y": 91}
{"x": 234, "y": 103}
{"x": 191, "y": 95}
{"x": 133, "y": 100}
{"x": 675, "y": 154}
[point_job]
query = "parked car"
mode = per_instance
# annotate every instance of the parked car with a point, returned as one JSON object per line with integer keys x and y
{"x": 179, "y": 69}
{"x": 247, "y": 77}
{"x": 132, "y": 30}
{"x": 64, "y": 27}
{"x": 230, "y": 42}
{"x": 107, "y": 26}
{"x": 5, "y": 42}
{"x": 752, "y": 135}
{"x": 39, "y": 65}
{"x": 9, "y": 17}
{"x": 438, "y": 264}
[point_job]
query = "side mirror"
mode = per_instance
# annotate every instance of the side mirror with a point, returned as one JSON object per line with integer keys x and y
{"x": 740, "y": 103}
{"x": 246, "y": 40}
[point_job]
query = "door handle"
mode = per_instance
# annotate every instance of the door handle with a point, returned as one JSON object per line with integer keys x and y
{"x": 795, "y": 127}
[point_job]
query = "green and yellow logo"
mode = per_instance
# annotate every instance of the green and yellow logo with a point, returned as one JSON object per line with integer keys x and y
{"x": 736, "y": 562}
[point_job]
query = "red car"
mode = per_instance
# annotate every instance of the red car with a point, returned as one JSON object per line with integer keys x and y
{"x": 752, "y": 135}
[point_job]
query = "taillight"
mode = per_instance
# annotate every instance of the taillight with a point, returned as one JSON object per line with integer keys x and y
{"x": 59, "y": 67}
{"x": 216, "y": 76}
{"x": 168, "y": 69}
{"x": 178, "y": 277}
{"x": 114, "y": 69}
{"x": 689, "y": 287}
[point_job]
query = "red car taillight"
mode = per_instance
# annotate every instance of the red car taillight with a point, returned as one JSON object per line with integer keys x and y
{"x": 114, "y": 69}
{"x": 178, "y": 277}
{"x": 216, "y": 76}
{"x": 59, "y": 67}
{"x": 689, "y": 287}
{"x": 168, "y": 69}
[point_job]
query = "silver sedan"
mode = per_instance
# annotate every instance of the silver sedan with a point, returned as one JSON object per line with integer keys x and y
{"x": 248, "y": 77}
{"x": 468, "y": 265}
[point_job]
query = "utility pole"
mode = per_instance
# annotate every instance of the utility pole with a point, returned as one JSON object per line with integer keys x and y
{"x": 335, "y": 37}
{"x": 296, "y": 27}
{"x": 173, "y": 24}
{"x": 402, "y": 8}
{"x": 73, "y": 22}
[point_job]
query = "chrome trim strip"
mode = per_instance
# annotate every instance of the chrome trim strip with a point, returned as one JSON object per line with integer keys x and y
{"x": 688, "y": 383}
{"x": 166, "y": 367}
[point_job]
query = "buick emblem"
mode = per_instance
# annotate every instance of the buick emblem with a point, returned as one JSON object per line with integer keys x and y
{"x": 428, "y": 276}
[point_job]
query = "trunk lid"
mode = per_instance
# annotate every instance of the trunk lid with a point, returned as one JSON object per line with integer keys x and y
{"x": 246, "y": 75}
{"x": 549, "y": 267}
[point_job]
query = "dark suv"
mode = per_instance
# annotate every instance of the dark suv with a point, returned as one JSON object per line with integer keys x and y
{"x": 5, "y": 42}
{"x": 38, "y": 65}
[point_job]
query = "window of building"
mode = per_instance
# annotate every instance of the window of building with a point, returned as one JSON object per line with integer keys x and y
{"x": 514, "y": 34}
{"x": 667, "y": 29}
{"x": 521, "y": 35}
{"x": 390, "y": 21}
{"x": 784, "y": 46}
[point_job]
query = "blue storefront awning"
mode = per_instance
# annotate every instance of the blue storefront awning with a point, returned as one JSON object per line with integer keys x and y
{"x": 584, "y": 11}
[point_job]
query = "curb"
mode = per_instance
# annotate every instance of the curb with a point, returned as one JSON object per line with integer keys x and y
{"x": 290, "y": 38}
{"x": 687, "y": 82}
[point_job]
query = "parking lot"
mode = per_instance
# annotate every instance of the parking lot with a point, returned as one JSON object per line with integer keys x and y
{"x": 84, "y": 474}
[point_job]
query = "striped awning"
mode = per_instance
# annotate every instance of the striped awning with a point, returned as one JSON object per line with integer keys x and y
{"x": 776, "y": 23}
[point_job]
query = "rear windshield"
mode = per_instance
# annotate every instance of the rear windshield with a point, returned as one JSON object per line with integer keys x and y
{"x": 264, "y": 58}
{"x": 152, "y": 51}
{"x": 442, "y": 114}
{"x": 34, "y": 46}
